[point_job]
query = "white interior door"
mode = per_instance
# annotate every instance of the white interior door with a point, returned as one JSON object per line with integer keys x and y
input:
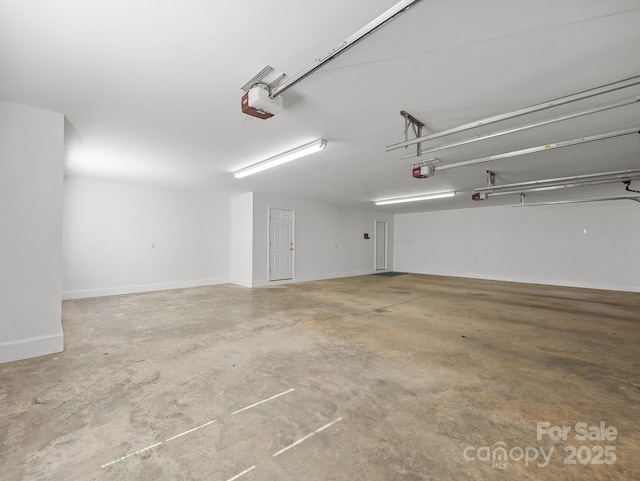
{"x": 381, "y": 246}
{"x": 280, "y": 244}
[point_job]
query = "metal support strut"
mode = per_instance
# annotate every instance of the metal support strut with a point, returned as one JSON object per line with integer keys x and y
{"x": 491, "y": 178}
{"x": 410, "y": 120}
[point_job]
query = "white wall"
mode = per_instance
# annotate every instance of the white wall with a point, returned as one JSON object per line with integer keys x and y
{"x": 123, "y": 238}
{"x": 31, "y": 164}
{"x": 242, "y": 240}
{"x": 328, "y": 241}
{"x": 592, "y": 245}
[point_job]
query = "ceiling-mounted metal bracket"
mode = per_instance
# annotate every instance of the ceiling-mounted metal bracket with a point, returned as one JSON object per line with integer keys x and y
{"x": 491, "y": 178}
{"x": 410, "y": 120}
{"x": 268, "y": 77}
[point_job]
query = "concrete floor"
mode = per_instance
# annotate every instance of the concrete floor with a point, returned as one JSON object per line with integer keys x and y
{"x": 423, "y": 378}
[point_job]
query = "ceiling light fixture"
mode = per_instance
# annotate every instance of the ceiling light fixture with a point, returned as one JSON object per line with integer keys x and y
{"x": 415, "y": 198}
{"x": 302, "y": 151}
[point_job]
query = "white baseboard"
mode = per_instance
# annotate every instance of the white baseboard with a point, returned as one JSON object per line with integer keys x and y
{"x": 606, "y": 286}
{"x": 31, "y": 347}
{"x": 547, "y": 282}
{"x": 116, "y": 291}
{"x": 322, "y": 277}
{"x": 241, "y": 282}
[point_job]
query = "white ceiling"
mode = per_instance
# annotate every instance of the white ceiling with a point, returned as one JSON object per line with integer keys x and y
{"x": 151, "y": 89}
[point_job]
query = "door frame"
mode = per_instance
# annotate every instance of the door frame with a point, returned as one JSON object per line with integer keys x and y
{"x": 375, "y": 245}
{"x": 293, "y": 241}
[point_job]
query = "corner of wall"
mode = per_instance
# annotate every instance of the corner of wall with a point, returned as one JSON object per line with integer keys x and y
{"x": 31, "y": 154}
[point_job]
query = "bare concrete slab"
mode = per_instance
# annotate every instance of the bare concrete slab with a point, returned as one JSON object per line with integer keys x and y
{"x": 367, "y": 378}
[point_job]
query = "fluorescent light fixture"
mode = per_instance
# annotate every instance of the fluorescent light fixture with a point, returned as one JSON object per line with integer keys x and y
{"x": 415, "y": 198}
{"x": 303, "y": 150}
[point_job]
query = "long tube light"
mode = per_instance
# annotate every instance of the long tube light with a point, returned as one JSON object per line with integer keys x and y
{"x": 580, "y": 113}
{"x": 393, "y": 12}
{"x": 541, "y": 148}
{"x": 629, "y": 82}
{"x": 415, "y": 198}
{"x": 283, "y": 158}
